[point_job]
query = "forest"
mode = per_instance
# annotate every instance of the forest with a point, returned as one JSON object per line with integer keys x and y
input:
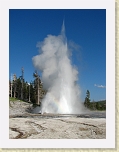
{"x": 34, "y": 92}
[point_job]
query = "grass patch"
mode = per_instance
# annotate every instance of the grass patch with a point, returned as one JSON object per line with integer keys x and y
{"x": 14, "y": 99}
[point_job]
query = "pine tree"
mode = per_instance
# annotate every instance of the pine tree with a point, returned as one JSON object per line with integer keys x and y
{"x": 87, "y": 99}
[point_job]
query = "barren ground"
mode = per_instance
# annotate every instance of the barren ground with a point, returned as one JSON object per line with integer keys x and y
{"x": 25, "y": 125}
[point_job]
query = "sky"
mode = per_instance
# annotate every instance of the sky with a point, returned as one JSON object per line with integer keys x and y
{"x": 85, "y": 30}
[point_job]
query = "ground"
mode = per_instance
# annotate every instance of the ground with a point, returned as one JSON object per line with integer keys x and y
{"x": 25, "y": 125}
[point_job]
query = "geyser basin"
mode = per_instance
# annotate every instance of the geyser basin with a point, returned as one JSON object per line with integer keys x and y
{"x": 59, "y": 76}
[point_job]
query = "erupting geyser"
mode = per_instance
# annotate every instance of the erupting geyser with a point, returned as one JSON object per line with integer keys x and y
{"x": 59, "y": 76}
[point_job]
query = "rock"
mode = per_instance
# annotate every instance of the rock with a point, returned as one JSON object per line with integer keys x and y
{"x": 19, "y": 107}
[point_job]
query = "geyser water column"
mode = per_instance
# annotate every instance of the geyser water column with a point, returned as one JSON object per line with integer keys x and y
{"x": 58, "y": 75}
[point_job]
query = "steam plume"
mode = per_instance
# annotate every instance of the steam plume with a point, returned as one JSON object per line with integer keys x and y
{"x": 58, "y": 75}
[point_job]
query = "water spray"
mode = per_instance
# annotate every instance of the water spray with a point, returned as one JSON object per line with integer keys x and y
{"x": 59, "y": 76}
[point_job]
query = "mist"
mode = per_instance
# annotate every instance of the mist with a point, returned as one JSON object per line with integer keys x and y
{"x": 59, "y": 76}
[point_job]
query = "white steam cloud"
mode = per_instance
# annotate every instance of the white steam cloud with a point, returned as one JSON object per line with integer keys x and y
{"x": 59, "y": 76}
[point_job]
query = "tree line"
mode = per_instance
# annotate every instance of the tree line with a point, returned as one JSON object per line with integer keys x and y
{"x": 34, "y": 92}
{"x": 30, "y": 92}
{"x": 94, "y": 105}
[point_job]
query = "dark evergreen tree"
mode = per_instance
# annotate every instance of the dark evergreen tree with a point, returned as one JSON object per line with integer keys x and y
{"x": 18, "y": 88}
{"x": 87, "y": 99}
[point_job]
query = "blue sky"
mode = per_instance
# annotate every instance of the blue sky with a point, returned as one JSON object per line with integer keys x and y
{"x": 84, "y": 27}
